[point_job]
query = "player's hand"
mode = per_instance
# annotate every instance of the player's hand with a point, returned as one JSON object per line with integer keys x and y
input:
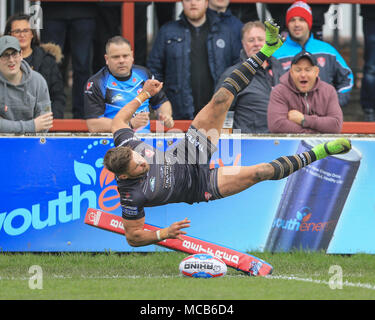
{"x": 43, "y": 122}
{"x": 167, "y": 119}
{"x": 174, "y": 230}
{"x": 152, "y": 86}
{"x": 273, "y": 39}
{"x": 140, "y": 120}
{"x": 272, "y": 31}
{"x": 296, "y": 116}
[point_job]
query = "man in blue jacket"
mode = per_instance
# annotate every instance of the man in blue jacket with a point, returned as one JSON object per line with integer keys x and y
{"x": 189, "y": 55}
{"x": 333, "y": 68}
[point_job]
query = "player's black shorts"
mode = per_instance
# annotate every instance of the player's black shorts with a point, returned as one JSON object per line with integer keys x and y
{"x": 196, "y": 151}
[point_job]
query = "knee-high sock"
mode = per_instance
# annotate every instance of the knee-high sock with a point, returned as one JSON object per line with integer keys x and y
{"x": 285, "y": 166}
{"x": 241, "y": 76}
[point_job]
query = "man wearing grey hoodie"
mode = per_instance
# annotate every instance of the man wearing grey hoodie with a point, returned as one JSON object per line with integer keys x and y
{"x": 25, "y": 104}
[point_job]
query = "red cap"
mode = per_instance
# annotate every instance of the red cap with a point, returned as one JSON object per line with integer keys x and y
{"x": 300, "y": 9}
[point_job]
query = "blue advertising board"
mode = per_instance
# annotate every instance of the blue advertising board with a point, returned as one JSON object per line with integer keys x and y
{"x": 47, "y": 184}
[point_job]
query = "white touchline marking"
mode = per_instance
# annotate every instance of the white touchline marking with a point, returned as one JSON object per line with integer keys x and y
{"x": 282, "y": 277}
{"x": 344, "y": 283}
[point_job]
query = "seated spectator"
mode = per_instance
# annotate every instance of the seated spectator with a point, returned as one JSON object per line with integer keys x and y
{"x": 115, "y": 85}
{"x": 189, "y": 55}
{"x": 333, "y": 68}
{"x": 227, "y": 18}
{"x": 43, "y": 58}
{"x": 250, "y": 105}
{"x": 24, "y": 99}
{"x": 302, "y": 103}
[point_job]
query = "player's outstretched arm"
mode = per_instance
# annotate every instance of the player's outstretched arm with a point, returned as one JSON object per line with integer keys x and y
{"x": 122, "y": 118}
{"x": 138, "y": 237}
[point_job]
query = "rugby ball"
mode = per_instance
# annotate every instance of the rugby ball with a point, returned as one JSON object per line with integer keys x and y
{"x": 202, "y": 266}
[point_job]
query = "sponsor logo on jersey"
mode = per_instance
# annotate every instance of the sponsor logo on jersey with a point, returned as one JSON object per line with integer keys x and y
{"x": 149, "y": 153}
{"x": 128, "y": 210}
{"x": 117, "y": 97}
{"x": 321, "y": 61}
{"x": 152, "y": 184}
{"x": 207, "y": 195}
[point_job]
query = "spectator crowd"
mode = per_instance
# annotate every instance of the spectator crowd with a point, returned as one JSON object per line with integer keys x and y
{"x": 302, "y": 88}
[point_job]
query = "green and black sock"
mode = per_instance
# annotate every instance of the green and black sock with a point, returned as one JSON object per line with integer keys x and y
{"x": 285, "y": 166}
{"x": 241, "y": 76}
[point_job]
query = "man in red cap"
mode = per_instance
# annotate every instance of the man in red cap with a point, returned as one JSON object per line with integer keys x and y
{"x": 333, "y": 68}
{"x": 299, "y": 21}
{"x": 278, "y": 11}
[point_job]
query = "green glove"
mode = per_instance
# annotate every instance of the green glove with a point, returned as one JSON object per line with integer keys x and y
{"x": 338, "y": 146}
{"x": 273, "y": 39}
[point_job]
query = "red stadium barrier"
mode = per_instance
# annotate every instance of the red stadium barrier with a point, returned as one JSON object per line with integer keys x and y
{"x": 69, "y": 125}
{"x": 358, "y": 127}
{"x": 78, "y": 125}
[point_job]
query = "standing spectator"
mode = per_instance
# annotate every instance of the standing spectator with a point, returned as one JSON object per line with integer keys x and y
{"x": 24, "y": 99}
{"x": 250, "y": 105}
{"x": 189, "y": 55}
{"x": 333, "y": 68}
{"x": 368, "y": 81}
{"x": 76, "y": 23}
{"x": 115, "y": 85}
{"x": 245, "y": 11}
{"x": 43, "y": 58}
{"x": 107, "y": 25}
{"x": 140, "y": 32}
{"x": 302, "y": 103}
{"x": 165, "y": 12}
{"x": 228, "y": 19}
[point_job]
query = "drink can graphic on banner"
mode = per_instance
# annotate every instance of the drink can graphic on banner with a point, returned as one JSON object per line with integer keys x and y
{"x": 312, "y": 202}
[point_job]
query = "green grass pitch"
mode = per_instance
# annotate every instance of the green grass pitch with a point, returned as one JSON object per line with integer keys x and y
{"x": 155, "y": 276}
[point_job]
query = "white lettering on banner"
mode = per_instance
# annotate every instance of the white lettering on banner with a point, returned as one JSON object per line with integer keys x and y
{"x": 116, "y": 224}
{"x": 57, "y": 212}
{"x": 220, "y": 254}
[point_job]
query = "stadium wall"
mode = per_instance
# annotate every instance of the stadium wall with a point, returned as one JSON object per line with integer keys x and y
{"x": 48, "y": 182}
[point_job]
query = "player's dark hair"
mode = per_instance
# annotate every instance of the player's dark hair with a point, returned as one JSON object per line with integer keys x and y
{"x": 117, "y": 160}
{"x": 117, "y": 40}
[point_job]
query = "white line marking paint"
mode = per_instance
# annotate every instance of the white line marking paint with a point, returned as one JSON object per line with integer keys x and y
{"x": 281, "y": 277}
{"x": 344, "y": 283}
